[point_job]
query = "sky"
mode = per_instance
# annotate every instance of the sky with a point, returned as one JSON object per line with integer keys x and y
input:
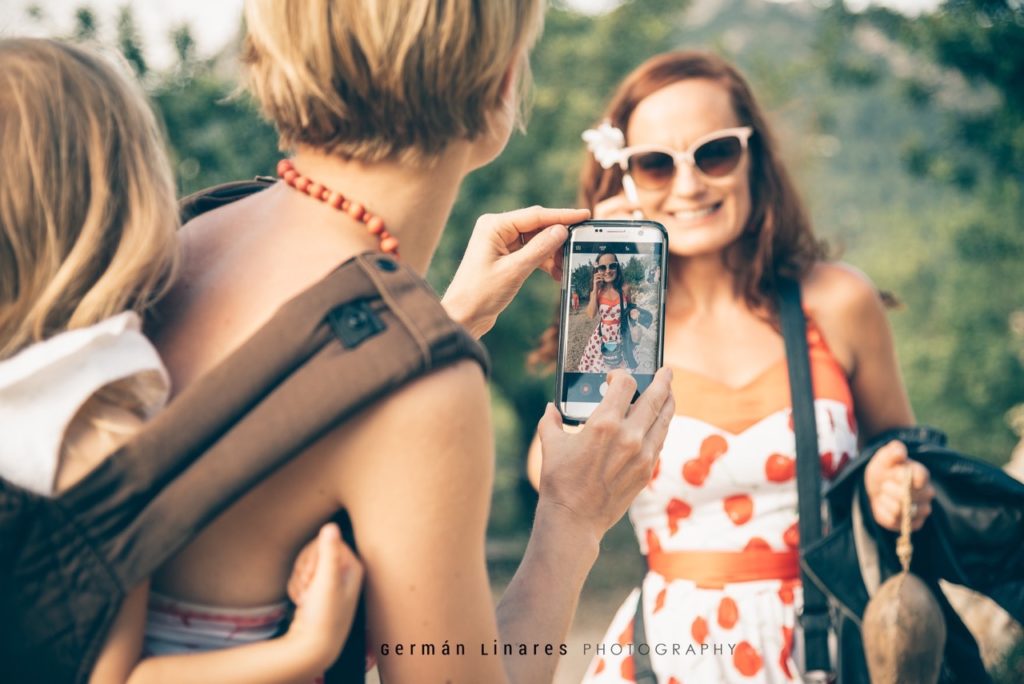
{"x": 214, "y": 22}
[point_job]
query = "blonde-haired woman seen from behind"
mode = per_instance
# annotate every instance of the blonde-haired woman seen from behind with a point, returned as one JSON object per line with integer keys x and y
{"x": 385, "y": 107}
{"x": 88, "y": 242}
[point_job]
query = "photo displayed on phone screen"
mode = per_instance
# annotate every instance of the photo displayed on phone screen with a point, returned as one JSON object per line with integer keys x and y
{"x": 612, "y": 316}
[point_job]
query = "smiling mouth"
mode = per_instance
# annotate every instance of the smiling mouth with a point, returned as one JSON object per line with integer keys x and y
{"x": 686, "y": 214}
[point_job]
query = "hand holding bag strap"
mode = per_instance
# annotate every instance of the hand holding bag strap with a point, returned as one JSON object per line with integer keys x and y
{"x": 814, "y": 618}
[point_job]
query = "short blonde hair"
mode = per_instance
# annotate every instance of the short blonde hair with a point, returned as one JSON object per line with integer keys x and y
{"x": 88, "y": 217}
{"x": 381, "y": 79}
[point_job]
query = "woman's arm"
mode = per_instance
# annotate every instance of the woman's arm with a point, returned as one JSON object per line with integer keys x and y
{"x": 415, "y": 474}
{"x": 325, "y": 588}
{"x": 851, "y": 315}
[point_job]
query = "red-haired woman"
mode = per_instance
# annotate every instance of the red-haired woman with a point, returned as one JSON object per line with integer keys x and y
{"x": 686, "y": 144}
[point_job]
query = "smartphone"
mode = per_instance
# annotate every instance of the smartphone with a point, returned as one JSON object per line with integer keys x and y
{"x": 612, "y": 310}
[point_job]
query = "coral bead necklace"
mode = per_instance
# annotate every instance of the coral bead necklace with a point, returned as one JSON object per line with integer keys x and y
{"x": 375, "y": 224}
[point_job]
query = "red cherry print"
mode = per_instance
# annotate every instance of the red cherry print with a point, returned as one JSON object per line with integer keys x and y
{"x": 779, "y": 468}
{"x": 677, "y": 510}
{"x": 827, "y": 468}
{"x": 695, "y": 471}
{"x": 659, "y": 601}
{"x": 757, "y": 544}
{"x": 843, "y": 460}
{"x": 746, "y": 659}
{"x": 627, "y": 635}
{"x": 787, "y": 641}
{"x": 786, "y": 592}
{"x": 673, "y": 680}
{"x": 600, "y": 666}
{"x": 713, "y": 447}
{"x": 653, "y": 545}
{"x": 728, "y": 613}
{"x": 739, "y": 508}
{"x": 627, "y": 670}
{"x": 792, "y": 536}
{"x": 699, "y": 630}
{"x": 657, "y": 469}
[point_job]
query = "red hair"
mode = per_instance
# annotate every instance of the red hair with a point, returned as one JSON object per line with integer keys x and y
{"x": 777, "y": 240}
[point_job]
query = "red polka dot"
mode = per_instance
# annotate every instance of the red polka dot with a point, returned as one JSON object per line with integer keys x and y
{"x": 739, "y": 508}
{"x": 677, "y": 510}
{"x": 600, "y": 666}
{"x": 787, "y": 645}
{"x": 779, "y": 468}
{"x": 657, "y": 469}
{"x": 792, "y": 536}
{"x": 728, "y": 613}
{"x": 757, "y": 544}
{"x": 713, "y": 447}
{"x": 653, "y": 544}
{"x": 746, "y": 659}
{"x": 699, "y": 630}
{"x": 827, "y": 465}
{"x": 627, "y": 670}
{"x": 843, "y": 460}
{"x": 673, "y": 680}
{"x": 786, "y": 591}
{"x": 695, "y": 471}
{"x": 659, "y": 601}
{"x": 627, "y": 635}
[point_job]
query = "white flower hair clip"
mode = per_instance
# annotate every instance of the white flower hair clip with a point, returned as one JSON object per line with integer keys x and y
{"x": 606, "y": 143}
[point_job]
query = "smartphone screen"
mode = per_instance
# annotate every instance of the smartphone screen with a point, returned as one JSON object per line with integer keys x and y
{"x": 612, "y": 310}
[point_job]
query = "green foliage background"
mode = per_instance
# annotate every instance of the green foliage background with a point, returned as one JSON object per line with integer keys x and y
{"x": 906, "y": 136}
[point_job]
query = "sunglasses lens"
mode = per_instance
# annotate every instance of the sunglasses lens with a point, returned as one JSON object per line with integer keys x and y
{"x": 719, "y": 157}
{"x": 652, "y": 169}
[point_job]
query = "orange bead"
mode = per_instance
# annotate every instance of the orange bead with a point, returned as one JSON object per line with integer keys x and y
{"x": 345, "y": 205}
{"x": 335, "y": 199}
{"x": 389, "y": 244}
{"x": 384, "y": 235}
{"x": 283, "y": 167}
{"x": 355, "y": 210}
{"x": 289, "y": 176}
{"x": 301, "y": 183}
{"x": 375, "y": 224}
{"x": 314, "y": 190}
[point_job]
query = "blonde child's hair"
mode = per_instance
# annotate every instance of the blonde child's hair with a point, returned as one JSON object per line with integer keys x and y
{"x": 385, "y": 79}
{"x": 88, "y": 217}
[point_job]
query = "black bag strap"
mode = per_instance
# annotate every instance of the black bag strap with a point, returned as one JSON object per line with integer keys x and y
{"x": 643, "y": 671}
{"x": 814, "y": 617}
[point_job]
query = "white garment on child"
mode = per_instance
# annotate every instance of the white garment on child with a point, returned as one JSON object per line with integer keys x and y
{"x": 43, "y": 386}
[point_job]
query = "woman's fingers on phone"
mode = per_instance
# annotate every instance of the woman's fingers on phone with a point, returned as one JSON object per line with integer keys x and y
{"x": 518, "y": 226}
{"x": 618, "y": 395}
{"x": 649, "y": 406}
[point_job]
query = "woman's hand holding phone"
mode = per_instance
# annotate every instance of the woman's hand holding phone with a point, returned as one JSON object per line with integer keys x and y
{"x": 594, "y": 474}
{"x": 504, "y": 250}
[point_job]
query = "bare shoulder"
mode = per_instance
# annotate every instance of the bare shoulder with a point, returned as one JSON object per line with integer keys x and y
{"x": 846, "y": 306}
{"x": 434, "y": 430}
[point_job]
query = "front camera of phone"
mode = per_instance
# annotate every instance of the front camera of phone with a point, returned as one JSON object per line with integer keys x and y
{"x": 641, "y": 232}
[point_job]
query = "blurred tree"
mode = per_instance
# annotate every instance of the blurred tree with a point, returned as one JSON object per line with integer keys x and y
{"x": 129, "y": 42}
{"x": 85, "y": 24}
{"x": 966, "y": 59}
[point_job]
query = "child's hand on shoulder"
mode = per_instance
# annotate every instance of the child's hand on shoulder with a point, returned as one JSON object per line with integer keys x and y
{"x": 324, "y": 586}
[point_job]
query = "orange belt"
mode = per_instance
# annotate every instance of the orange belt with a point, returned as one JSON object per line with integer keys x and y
{"x": 610, "y": 321}
{"x": 715, "y": 569}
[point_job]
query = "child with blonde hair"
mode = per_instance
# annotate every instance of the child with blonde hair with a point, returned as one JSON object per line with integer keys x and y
{"x": 88, "y": 242}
